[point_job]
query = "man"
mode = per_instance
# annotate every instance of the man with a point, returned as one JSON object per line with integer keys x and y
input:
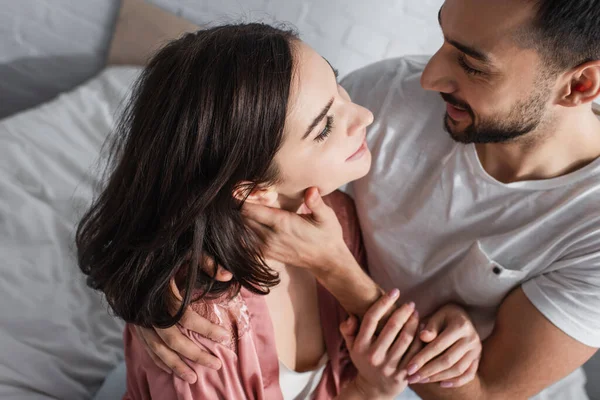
{"x": 500, "y": 213}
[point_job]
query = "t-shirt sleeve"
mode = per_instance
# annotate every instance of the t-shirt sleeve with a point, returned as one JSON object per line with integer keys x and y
{"x": 568, "y": 295}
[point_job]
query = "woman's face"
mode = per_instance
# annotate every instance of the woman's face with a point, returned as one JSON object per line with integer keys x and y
{"x": 324, "y": 140}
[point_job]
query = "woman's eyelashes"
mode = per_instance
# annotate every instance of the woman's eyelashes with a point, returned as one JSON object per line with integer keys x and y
{"x": 325, "y": 133}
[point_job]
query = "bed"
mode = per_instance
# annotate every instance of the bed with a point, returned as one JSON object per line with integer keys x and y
{"x": 58, "y": 102}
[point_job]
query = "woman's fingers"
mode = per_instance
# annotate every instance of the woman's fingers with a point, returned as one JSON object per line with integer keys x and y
{"x": 402, "y": 344}
{"x": 390, "y": 331}
{"x": 372, "y": 317}
{"x": 415, "y": 347}
{"x": 319, "y": 211}
{"x": 349, "y": 328}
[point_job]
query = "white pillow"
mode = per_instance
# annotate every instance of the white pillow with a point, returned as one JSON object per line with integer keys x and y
{"x": 56, "y": 338}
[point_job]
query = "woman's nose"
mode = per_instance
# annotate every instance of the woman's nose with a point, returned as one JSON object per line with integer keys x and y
{"x": 363, "y": 118}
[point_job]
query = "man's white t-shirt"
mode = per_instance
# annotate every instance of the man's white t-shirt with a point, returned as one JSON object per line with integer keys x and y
{"x": 440, "y": 229}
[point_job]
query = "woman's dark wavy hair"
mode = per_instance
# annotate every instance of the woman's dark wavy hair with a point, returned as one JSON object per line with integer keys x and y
{"x": 206, "y": 114}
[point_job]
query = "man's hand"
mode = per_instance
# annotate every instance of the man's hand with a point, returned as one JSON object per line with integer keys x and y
{"x": 166, "y": 347}
{"x": 453, "y": 350}
{"x": 519, "y": 358}
{"x": 313, "y": 239}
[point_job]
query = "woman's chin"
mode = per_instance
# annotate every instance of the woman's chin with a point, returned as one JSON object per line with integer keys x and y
{"x": 363, "y": 166}
{"x": 359, "y": 170}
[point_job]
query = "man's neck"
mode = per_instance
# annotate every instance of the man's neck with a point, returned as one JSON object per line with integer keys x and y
{"x": 558, "y": 148}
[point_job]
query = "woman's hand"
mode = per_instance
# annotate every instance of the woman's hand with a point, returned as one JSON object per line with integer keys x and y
{"x": 168, "y": 347}
{"x": 313, "y": 239}
{"x": 453, "y": 349}
{"x": 377, "y": 357}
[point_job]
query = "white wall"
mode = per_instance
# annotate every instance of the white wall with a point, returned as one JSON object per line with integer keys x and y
{"x": 349, "y": 33}
{"x": 49, "y": 46}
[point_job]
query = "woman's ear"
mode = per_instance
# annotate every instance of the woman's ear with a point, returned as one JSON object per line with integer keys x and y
{"x": 266, "y": 196}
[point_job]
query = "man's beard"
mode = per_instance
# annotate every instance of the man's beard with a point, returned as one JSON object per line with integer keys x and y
{"x": 523, "y": 118}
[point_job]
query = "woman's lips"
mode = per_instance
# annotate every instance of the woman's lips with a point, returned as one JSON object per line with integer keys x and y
{"x": 360, "y": 152}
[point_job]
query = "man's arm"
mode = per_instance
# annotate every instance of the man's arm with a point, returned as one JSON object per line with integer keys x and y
{"x": 525, "y": 354}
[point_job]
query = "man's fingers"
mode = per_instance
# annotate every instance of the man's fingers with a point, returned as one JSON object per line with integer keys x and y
{"x": 153, "y": 356}
{"x": 174, "y": 343}
{"x": 465, "y": 378}
{"x": 455, "y": 371}
{"x": 158, "y": 349}
{"x": 432, "y": 350}
{"x": 196, "y": 323}
{"x": 208, "y": 266}
{"x": 176, "y": 292}
{"x": 266, "y": 216}
{"x": 223, "y": 275}
{"x": 432, "y": 328}
{"x": 372, "y": 317}
{"x": 447, "y": 361}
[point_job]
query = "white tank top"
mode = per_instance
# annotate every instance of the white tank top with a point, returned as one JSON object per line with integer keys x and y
{"x": 300, "y": 385}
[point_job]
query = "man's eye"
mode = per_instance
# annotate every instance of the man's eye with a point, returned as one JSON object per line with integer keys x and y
{"x": 466, "y": 67}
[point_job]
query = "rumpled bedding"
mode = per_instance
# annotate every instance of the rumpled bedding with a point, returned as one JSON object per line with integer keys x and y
{"x": 57, "y": 338}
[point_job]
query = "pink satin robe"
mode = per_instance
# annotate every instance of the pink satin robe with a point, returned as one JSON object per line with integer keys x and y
{"x": 250, "y": 364}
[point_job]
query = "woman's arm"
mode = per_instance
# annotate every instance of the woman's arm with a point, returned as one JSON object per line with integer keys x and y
{"x": 348, "y": 282}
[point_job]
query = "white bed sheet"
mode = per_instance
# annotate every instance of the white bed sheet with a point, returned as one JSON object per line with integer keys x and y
{"x": 57, "y": 340}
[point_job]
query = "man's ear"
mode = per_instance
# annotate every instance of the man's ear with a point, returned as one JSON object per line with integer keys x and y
{"x": 581, "y": 85}
{"x": 256, "y": 194}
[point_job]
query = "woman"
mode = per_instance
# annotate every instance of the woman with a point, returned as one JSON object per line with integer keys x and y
{"x": 234, "y": 114}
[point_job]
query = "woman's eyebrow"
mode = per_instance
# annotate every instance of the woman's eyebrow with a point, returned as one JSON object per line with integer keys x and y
{"x": 318, "y": 119}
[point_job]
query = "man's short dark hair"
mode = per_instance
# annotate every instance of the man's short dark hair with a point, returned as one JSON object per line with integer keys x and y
{"x": 566, "y": 32}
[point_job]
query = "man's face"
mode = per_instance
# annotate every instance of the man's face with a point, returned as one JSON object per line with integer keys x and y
{"x": 495, "y": 90}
